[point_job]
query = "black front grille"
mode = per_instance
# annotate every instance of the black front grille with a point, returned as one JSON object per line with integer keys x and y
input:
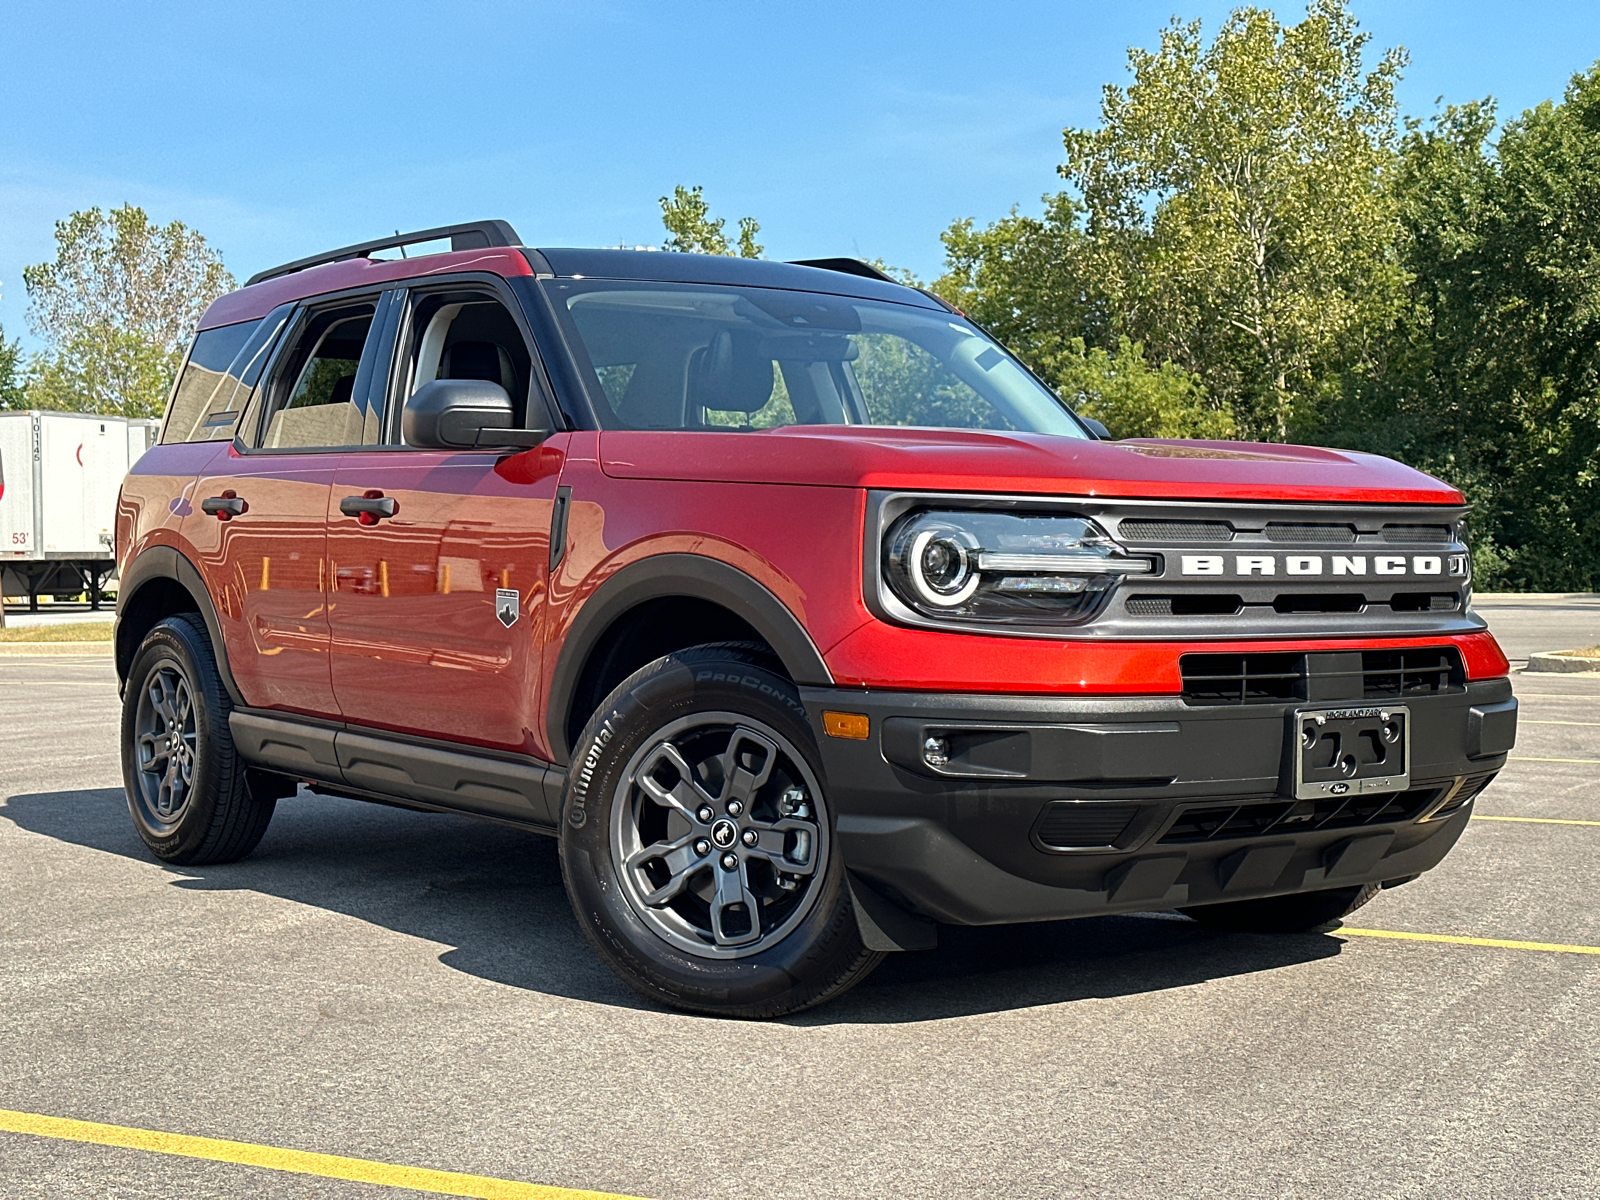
{"x": 1139, "y": 530}
{"x": 1274, "y": 678}
{"x": 1242, "y": 678}
{"x": 1322, "y": 535}
{"x": 1416, "y": 533}
{"x": 1319, "y": 602}
{"x": 1195, "y": 604}
{"x": 1078, "y": 826}
{"x": 1396, "y": 674}
{"x": 1247, "y": 819}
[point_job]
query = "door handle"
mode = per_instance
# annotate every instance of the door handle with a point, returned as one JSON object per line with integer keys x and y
{"x": 225, "y": 507}
{"x": 370, "y": 507}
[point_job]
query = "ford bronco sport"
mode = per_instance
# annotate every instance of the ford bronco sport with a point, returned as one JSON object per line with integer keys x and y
{"x": 797, "y": 610}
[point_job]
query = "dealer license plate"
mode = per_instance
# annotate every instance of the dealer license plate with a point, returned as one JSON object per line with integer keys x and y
{"x": 1340, "y": 751}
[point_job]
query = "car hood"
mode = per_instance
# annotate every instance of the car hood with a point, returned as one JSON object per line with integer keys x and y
{"x": 959, "y": 460}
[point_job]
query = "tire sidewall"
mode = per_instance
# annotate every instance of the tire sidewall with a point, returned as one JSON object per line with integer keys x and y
{"x": 174, "y": 642}
{"x": 676, "y": 686}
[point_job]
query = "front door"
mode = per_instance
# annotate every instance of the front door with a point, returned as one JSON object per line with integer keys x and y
{"x": 259, "y": 525}
{"x": 434, "y": 610}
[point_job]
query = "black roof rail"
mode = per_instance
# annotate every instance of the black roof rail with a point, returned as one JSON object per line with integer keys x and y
{"x": 474, "y": 235}
{"x": 848, "y": 266}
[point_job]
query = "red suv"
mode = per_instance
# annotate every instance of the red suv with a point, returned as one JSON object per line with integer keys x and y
{"x": 792, "y": 604}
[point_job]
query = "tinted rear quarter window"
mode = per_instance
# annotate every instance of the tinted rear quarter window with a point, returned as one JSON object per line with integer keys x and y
{"x": 218, "y": 380}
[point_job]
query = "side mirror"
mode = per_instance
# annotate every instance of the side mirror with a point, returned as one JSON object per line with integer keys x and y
{"x": 463, "y": 414}
{"x": 1096, "y": 428}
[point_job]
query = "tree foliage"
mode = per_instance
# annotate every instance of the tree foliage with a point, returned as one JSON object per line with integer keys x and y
{"x": 1239, "y": 220}
{"x": 12, "y": 391}
{"x": 693, "y": 230}
{"x": 116, "y": 308}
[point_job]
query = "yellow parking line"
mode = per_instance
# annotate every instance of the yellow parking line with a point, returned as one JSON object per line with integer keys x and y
{"x": 1552, "y": 947}
{"x": 1593, "y": 762}
{"x": 1535, "y": 820}
{"x": 301, "y": 1162}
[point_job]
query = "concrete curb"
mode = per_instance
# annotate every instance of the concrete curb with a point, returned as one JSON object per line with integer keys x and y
{"x": 1564, "y": 662}
{"x": 54, "y": 649}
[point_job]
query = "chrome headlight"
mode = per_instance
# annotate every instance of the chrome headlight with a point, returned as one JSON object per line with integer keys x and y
{"x": 999, "y": 567}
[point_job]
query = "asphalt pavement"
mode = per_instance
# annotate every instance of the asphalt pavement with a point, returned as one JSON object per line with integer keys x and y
{"x": 412, "y": 989}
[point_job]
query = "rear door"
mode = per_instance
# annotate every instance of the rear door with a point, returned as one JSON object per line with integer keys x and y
{"x": 435, "y": 610}
{"x": 261, "y": 507}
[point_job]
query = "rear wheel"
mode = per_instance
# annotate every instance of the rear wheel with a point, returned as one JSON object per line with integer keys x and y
{"x": 188, "y": 790}
{"x": 1298, "y": 913}
{"x": 697, "y": 844}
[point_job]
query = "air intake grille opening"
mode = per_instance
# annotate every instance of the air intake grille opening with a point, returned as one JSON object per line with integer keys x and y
{"x": 1278, "y": 531}
{"x": 1425, "y": 601}
{"x": 1416, "y": 533}
{"x": 1201, "y": 604}
{"x": 1241, "y": 678}
{"x": 1319, "y": 602}
{"x": 1140, "y": 530}
{"x": 1254, "y": 819}
{"x": 1078, "y": 826}
{"x": 1395, "y": 674}
{"x": 1213, "y": 679}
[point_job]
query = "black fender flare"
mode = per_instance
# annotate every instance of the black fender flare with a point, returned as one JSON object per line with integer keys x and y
{"x": 168, "y": 563}
{"x": 660, "y": 576}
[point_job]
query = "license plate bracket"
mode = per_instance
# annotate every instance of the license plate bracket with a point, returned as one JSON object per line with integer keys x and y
{"x": 1351, "y": 750}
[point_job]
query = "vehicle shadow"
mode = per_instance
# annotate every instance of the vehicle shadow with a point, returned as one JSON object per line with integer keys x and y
{"x": 494, "y": 893}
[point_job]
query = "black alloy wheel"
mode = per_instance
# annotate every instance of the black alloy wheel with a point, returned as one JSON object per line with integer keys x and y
{"x": 190, "y": 794}
{"x": 697, "y": 844}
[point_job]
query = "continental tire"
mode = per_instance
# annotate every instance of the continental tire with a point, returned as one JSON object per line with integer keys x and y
{"x": 697, "y": 844}
{"x": 187, "y": 788}
{"x": 1298, "y": 913}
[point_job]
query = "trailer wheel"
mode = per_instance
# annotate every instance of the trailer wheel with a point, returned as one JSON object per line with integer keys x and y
{"x": 188, "y": 789}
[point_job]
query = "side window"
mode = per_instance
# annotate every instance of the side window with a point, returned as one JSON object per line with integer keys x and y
{"x": 207, "y": 386}
{"x": 311, "y": 402}
{"x": 465, "y": 335}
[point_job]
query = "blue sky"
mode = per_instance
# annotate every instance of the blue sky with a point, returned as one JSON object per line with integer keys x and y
{"x": 862, "y": 128}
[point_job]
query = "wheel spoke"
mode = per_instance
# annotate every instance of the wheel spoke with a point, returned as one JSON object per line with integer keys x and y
{"x": 734, "y": 888}
{"x": 685, "y": 795}
{"x": 680, "y": 860}
{"x": 153, "y": 753}
{"x": 772, "y": 842}
{"x": 739, "y": 782}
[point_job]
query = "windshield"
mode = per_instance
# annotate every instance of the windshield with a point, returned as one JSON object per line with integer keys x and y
{"x": 687, "y": 356}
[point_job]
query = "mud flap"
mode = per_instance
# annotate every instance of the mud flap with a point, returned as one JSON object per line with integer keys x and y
{"x": 885, "y": 925}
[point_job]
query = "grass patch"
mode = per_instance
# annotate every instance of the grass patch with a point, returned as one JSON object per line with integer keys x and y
{"x": 1591, "y": 652}
{"x": 75, "y": 631}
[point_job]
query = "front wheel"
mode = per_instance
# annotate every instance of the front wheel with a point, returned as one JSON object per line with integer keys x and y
{"x": 697, "y": 845}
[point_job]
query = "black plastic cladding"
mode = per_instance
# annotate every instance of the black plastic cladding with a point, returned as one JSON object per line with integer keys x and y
{"x": 1267, "y": 607}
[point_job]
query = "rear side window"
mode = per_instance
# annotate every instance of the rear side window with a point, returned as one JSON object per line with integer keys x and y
{"x": 204, "y": 406}
{"x": 313, "y": 402}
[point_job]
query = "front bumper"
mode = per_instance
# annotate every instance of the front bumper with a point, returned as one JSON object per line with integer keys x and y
{"x": 1053, "y": 808}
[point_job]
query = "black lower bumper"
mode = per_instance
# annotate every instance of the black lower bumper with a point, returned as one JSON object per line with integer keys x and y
{"x": 1048, "y": 808}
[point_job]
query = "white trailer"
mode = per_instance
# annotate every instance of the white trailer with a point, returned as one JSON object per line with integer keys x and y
{"x": 60, "y": 473}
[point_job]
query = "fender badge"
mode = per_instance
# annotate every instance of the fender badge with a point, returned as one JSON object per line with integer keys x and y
{"x": 507, "y": 606}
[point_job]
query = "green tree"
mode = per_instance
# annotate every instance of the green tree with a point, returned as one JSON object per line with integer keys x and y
{"x": 1239, "y": 221}
{"x": 116, "y": 307}
{"x": 693, "y": 230}
{"x": 12, "y": 392}
{"x": 1491, "y": 378}
{"x": 1134, "y": 398}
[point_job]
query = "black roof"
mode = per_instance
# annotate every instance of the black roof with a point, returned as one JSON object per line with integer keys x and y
{"x": 672, "y": 267}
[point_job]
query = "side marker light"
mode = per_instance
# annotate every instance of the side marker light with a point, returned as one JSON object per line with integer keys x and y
{"x": 854, "y": 726}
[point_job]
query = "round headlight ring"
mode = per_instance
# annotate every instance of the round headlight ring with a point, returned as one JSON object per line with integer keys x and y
{"x": 942, "y": 567}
